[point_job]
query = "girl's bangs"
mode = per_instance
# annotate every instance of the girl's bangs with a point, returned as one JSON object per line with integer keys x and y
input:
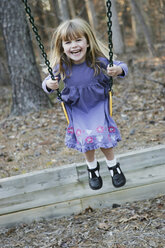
{"x": 71, "y": 33}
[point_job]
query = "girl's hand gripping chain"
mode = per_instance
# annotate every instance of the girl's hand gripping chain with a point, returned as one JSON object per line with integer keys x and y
{"x": 114, "y": 70}
{"x": 52, "y": 84}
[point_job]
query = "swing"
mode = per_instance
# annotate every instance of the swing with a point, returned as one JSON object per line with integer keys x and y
{"x": 110, "y": 46}
{"x": 47, "y": 63}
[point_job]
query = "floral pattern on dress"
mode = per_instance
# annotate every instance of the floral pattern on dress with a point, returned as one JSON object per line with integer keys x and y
{"x": 111, "y": 129}
{"x": 70, "y": 130}
{"x": 100, "y": 129}
{"x": 89, "y": 140}
{"x": 99, "y": 138}
{"x": 78, "y": 132}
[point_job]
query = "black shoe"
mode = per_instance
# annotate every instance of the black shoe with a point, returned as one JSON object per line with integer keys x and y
{"x": 95, "y": 182}
{"x": 118, "y": 178}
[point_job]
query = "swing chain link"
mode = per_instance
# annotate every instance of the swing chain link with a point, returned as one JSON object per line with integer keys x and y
{"x": 110, "y": 44}
{"x": 41, "y": 46}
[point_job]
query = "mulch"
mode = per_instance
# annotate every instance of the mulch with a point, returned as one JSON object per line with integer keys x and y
{"x": 139, "y": 224}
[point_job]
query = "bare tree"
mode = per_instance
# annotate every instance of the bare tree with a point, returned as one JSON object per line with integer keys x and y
{"x": 137, "y": 32}
{"x": 91, "y": 14}
{"x": 118, "y": 44}
{"x": 41, "y": 20}
{"x": 72, "y": 8}
{"x": 4, "y": 74}
{"x": 136, "y": 10}
{"x": 27, "y": 94}
{"x": 64, "y": 10}
{"x": 56, "y": 9}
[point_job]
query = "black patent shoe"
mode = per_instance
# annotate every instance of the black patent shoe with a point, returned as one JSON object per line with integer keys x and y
{"x": 118, "y": 178}
{"x": 95, "y": 180}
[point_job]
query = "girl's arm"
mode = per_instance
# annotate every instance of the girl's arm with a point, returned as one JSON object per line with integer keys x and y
{"x": 123, "y": 66}
{"x": 119, "y": 69}
{"x": 50, "y": 85}
{"x": 45, "y": 87}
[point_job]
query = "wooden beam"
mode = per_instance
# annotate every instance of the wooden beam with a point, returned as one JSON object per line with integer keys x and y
{"x": 64, "y": 190}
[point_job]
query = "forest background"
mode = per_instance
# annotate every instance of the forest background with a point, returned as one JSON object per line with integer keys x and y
{"x": 32, "y": 124}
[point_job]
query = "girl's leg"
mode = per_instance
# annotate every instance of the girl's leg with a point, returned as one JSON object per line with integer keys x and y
{"x": 110, "y": 158}
{"x": 118, "y": 178}
{"x": 95, "y": 181}
{"x": 90, "y": 155}
{"x": 108, "y": 152}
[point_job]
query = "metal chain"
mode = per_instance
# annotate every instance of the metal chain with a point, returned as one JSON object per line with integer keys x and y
{"x": 41, "y": 46}
{"x": 110, "y": 44}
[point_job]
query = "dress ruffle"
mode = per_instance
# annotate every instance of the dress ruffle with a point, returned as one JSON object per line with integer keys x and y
{"x": 95, "y": 146}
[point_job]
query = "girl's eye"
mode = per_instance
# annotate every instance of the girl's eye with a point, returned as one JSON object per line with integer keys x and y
{"x": 79, "y": 39}
{"x": 67, "y": 42}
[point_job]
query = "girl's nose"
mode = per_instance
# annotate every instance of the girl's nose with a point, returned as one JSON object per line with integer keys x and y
{"x": 73, "y": 44}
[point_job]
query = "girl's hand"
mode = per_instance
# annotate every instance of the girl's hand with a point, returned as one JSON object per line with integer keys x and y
{"x": 114, "y": 71}
{"x": 52, "y": 84}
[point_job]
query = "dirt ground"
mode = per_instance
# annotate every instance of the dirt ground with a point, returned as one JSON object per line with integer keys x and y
{"x": 36, "y": 141}
{"x": 137, "y": 225}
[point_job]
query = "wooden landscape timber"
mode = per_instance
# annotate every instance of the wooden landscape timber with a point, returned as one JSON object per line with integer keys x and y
{"x": 64, "y": 190}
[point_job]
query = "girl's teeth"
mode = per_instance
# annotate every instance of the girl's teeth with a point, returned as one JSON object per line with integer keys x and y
{"x": 76, "y": 52}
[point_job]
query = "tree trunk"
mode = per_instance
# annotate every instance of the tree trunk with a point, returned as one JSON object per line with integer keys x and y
{"x": 4, "y": 72}
{"x": 137, "y": 32}
{"x": 27, "y": 94}
{"x": 118, "y": 44}
{"x": 56, "y": 9}
{"x": 64, "y": 10}
{"x": 4, "y": 75}
{"x": 137, "y": 12}
{"x": 72, "y": 8}
{"x": 41, "y": 20}
{"x": 91, "y": 14}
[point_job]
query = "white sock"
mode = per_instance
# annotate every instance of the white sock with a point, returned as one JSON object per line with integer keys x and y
{"x": 111, "y": 163}
{"x": 92, "y": 165}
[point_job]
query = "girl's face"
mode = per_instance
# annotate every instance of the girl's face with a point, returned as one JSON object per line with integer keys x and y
{"x": 76, "y": 49}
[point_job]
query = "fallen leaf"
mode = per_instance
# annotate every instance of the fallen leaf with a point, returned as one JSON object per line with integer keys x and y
{"x": 46, "y": 142}
{"x": 103, "y": 226}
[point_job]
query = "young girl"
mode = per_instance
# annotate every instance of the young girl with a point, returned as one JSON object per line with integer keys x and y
{"x": 77, "y": 58}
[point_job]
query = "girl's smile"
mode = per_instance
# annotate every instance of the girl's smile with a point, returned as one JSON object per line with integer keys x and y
{"x": 76, "y": 49}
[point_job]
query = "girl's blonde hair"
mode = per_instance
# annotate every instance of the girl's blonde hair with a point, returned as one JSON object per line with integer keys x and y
{"x": 73, "y": 29}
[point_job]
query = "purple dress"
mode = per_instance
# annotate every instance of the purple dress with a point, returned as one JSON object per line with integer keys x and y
{"x": 86, "y": 101}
